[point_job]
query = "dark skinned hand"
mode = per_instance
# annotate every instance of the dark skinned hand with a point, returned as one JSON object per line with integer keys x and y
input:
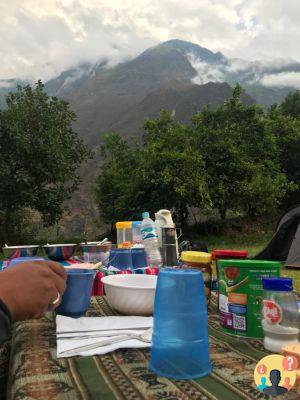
{"x": 28, "y": 289}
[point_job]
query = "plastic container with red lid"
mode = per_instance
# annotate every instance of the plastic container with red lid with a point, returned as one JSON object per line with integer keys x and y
{"x": 227, "y": 254}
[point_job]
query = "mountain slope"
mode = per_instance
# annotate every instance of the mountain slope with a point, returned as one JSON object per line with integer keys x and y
{"x": 121, "y": 98}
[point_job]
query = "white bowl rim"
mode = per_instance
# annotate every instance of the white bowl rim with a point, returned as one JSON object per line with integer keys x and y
{"x": 106, "y": 280}
{"x": 31, "y": 246}
{"x": 60, "y": 245}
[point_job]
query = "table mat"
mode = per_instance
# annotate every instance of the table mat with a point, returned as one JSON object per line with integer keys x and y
{"x": 36, "y": 373}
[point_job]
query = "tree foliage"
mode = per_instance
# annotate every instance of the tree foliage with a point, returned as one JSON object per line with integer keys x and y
{"x": 234, "y": 157}
{"x": 241, "y": 157}
{"x": 291, "y": 105}
{"x": 167, "y": 172}
{"x": 40, "y": 155}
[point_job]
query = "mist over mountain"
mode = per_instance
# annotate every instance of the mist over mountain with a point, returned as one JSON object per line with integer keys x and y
{"x": 94, "y": 89}
{"x": 179, "y": 76}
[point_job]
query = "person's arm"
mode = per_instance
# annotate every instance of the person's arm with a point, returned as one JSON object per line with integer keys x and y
{"x": 29, "y": 290}
{"x": 5, "y": 323}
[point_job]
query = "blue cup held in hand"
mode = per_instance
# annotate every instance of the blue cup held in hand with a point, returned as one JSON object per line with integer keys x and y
{"x": 180, "y": 345}
{"x": 77, "y": 296}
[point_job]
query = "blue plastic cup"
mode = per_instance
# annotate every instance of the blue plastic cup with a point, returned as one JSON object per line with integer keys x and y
{"x": 77, "y": 296}
{"x": 180, "y": 345}
{"x": 120, "y": 259}
{"x": 139, "y": 259}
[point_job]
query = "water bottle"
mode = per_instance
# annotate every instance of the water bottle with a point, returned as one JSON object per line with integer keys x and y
{"x": 149, "y": 236}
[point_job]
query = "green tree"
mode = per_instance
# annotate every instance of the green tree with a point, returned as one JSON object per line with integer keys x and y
{"x": 287, "y": 133}
{"x": 291, "y": 105}
{"x": 174, "y": 174}
{"x": 40, "y": 155}
{"x": 166, "y": 172}
{"x": 116, "y": 186}
{"x": 240, "y": 155}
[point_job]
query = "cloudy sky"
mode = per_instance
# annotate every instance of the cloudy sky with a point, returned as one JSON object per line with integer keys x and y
{"x": 41, "y": 38}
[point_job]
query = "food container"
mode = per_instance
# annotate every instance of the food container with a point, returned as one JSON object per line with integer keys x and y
{"x": 241, "y": 293}
{"x": 224, "y": 254}
{"x": 280, "y": 313}
{"x": 201, "y": 261}
{"x": 124, "y": 232}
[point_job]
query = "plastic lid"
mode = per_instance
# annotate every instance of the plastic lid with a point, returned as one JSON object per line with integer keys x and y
{"x": 196, "y": 257}
{"x": 136, "y": 223}
{"x": 219, "y": 253}
{"x": 124, "y": 225}
{"x": 278, "y": 284}
{"x": 145, "y": 214}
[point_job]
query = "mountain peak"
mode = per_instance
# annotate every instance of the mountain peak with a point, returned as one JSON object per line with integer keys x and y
{"x": 189, "y": 48}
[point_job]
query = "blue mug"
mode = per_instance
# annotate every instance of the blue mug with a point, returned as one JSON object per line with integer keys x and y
{"x": 77, "y": 296}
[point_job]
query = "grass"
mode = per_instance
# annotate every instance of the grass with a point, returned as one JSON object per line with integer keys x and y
{"x": 252, "y": 242}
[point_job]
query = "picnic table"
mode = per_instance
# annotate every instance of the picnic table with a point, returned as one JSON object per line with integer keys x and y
{"x": 36, "y": 373}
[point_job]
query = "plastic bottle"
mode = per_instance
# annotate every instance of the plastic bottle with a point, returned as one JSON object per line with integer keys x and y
{"x": 149, "y": 236}
{"x": 280, "y": 314}
{"x": 136, "y": 232}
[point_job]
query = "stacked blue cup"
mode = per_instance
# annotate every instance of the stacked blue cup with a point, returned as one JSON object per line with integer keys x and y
{"x": 180, "y": 345}
{"x": 120, "y": 259}
{"x": 139, "y": 259}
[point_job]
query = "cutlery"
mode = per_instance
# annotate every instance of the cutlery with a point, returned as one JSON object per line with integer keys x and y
{"x": 142, "y": 328}
{"x": 144, "y": 337}
{"x": 108, "y": 334}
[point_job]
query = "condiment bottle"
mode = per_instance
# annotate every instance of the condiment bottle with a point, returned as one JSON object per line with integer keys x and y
{"x": 201, "y": 261}
{"x": 280, "y": 314}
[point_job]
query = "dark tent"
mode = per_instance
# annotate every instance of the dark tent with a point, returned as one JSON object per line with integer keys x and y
{"x": 285, "y": 243}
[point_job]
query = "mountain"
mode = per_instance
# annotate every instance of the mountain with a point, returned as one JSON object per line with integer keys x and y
{"x": 119, "y": 99}
{"x": 176, "y": 75}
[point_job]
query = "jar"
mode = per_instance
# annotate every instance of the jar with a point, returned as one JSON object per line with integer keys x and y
{"x": 124, "y": 232}
{"x": 201, "y": 261}
{"x": 224, "y": 254}
{"x": 280, "y": 314}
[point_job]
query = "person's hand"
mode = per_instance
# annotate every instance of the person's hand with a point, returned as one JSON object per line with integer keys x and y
{"x": 29, "y": 289}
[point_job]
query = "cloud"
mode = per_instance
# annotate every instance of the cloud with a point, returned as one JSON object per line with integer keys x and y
{"x": 291, "y": 79}
{"x": 43, "y": 38}
{"x": 5, "y": 84}
{"x": 205, "y": 72}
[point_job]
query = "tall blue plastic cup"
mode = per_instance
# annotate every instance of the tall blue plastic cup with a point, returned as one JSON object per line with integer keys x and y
{"x": 139, "y": 259}
{"x": 77, "y": 296}
{"x": 180, "y": 345}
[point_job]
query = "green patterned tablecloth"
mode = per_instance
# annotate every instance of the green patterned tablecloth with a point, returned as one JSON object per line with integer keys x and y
{"x": 36, "y": 373}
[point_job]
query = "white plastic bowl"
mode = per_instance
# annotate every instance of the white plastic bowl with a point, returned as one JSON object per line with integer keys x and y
{"x": 131, "y": 294}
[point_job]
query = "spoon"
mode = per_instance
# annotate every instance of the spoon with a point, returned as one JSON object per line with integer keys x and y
{"x": 103, "y": 241}
{"x": 143, "y": 337}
